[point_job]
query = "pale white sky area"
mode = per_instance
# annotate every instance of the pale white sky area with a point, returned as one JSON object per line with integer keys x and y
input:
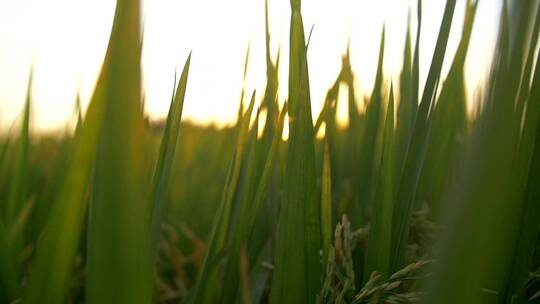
{"x": 65, "y": 41}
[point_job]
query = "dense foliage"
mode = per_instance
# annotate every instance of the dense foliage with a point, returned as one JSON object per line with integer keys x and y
{"x": 415, "y": 200}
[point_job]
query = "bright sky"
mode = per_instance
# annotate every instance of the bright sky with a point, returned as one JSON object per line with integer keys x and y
{"x": 65, "y": 42}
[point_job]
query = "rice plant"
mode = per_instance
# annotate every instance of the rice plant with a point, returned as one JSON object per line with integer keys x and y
{"x": 416, "y": 200}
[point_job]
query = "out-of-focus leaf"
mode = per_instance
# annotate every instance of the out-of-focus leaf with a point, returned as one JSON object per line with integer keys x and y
{"x": 326, "y": 207}
{"x": 17, "y": 196}
{"x": 119, "y": 263}
{"x": 17, "y": 186}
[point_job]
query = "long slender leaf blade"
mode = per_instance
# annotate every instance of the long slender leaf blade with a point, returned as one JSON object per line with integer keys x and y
{"x": 369, "y": 146}
{"x": 52, "y": 265}
{"x": 482, "y": 224}
{"x": 528, "y": 167}
{"x": 417, "y": 149}
{"x": 406, "y": 110}
{"x": 16, "y": 198}
{"x": 17, "y": 187}
{"x": 251, "y": 206}
{"x": 448, "y": 127}
{"x": 119, "y": 266}
{"x": 205, "y": 289}
{"x": 380, "y": 233}
{"x": 232, "y": 277}
{"x": 169, "y": 142}
{"x": 296, "y": 277}
{"x": 326, "y": 206}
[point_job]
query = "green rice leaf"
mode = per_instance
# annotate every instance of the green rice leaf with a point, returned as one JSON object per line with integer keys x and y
{"x": 232, "y": 273}
{"x": 369, "y": 147}
{"x": 119, "y": 263}
{"x": 16, "y": 199}
{"x": 297, "y": 275}
{"x": 448, "y": 127}
{"x": 417, "y": 148}
{"x": 56, "y": 250}
{"x": 380, "y": 233}
{"x": 482, "y": 226}
{"x": 326, "y": 207}
{"x": 205, "y": 289}
{"x": 17, "y": 186}
{"x": 162, "y": 175}
{"x": 527, "y": 166}
{"x": 406, "y": 110}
